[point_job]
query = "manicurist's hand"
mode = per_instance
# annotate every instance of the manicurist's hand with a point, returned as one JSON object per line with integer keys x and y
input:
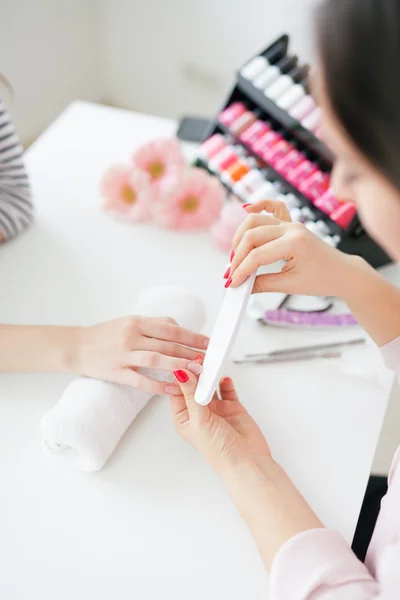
{"x": 232, "y": 443}
{"x": 311, "y": 267}
{"x": 223, "y": 432}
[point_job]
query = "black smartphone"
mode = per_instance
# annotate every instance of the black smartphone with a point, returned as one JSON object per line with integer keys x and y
{"x": 193, "y": 129}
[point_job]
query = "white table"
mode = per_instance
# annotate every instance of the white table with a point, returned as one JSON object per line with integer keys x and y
{"x": 155, "y": 523}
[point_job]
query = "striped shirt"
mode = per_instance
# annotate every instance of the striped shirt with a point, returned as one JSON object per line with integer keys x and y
{"x": 16, "y": 210}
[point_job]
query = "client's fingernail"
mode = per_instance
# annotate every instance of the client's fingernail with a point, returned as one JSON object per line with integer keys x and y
{"x": 206, "y": 343}
{"x": 181, "y": 376}
{"x": 227, "y": 272}
{"x": 232, "y": 255}
{"x": 195, "y": 368}
{"x": 171, "y": 390}
{"x": 199, "y": 357}
{"x": 246, "y": 205}
{"x": 228, "y": 283}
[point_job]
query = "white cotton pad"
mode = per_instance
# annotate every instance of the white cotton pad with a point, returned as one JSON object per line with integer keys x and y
{"x": 226, "y": 328}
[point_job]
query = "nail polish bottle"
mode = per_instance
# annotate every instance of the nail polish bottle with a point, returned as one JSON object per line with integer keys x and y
{"x": 301, "y": 173}
{"x": 254, "y": 132}
{"x": 268, "y": 77}
{"x": 278, "y": 152}
{"x": 315, "y": 186}
{"x": 267, "y": 142}
{"x": 285, "y": 82}
{"x": 223, "y": 160}
{"x": 231, "y": 113}
{"x": 260, "y": 63}
{"x": 327, "y": 203}
{"x": 243, "y": 122}
{"x": 212, "y": 146}
{"x": 302, "y": 108}
{"x": 289, "y": 162}
{"x": 344, "y": 215}
{"x": 312, "y": 120}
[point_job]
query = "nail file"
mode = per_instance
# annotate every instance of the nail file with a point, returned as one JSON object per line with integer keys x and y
{"x": 226, "y": 328}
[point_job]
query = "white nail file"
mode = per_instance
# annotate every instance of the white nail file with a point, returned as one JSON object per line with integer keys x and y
{"x": 226, "y": 328}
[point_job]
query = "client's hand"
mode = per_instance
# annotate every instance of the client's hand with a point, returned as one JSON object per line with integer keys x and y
{"x": 113, "y": 351}
{"x": 223, "y": 429}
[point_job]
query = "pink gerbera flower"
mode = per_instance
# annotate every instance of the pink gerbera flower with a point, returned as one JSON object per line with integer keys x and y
{"x": 128, "y": 193}
{"x": 192, "y": 201}
{"x": 159, "y": 158}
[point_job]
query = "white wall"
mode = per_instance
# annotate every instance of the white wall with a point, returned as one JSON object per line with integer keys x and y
{"x": 49, "y": 50}
{"x": 175, "y": 56}
{"x": 167, "y": 57}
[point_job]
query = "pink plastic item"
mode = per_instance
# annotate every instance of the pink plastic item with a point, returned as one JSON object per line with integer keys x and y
{"x": 327, "y": 203}
{"x": 303, "y": 172}
{"x": 254, "y": 132}
{"x": 230, "y": 114}
{"x": 278, "y": 151}
{"x": 344, "y": 215}
{"x": 212, "y": 146}
{"x": 315, "y": 186}
{"x": 289, "y": 162}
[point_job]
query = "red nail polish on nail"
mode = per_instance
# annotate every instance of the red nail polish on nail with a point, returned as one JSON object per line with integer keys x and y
{"x": 227, "y": 273}
{"x": 199, "y": 357}
{"x": 181, "y": 376}
{"x": 246, "y": 205}
{"x": 232, "y": 255}
{"x": 228, "y": 283}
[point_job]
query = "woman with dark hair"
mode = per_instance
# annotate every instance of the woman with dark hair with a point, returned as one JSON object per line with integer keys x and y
{"x": 358, "y": 87}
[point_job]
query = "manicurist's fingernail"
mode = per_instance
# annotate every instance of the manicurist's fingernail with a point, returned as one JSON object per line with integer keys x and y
{"x": 232, "y": 255}
{"x": 171, "y": 389}
{"x": 181, "y": 376}
{"x": 195, "y": 368}
{"x": 227, "y": 273}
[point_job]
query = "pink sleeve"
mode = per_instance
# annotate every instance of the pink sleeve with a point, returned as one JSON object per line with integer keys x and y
{"x": 391, "y": 355}
{"x": 318, "y": 564}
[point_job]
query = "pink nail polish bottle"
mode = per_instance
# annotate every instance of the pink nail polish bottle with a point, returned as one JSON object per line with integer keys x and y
{"x": 223, "y": 160}
{"x": 301, "y": 173}
{"x": 267, "y": 142}
{"x": 212, "y": 146}
{"x": 302, "y": 108}
{"x": 254, "y": 132}
{"x": 327, "y": 203}
{"x": 278, "y": 151}
{"x": 289, "y": 162}
{"x": 344, "y": 215}
{"x": 315, "y": 186}
{"x": 242, "y": 122}
{"x": 231, "y": 113}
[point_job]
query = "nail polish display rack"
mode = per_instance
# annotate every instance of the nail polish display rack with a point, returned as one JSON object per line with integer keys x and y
{"x": 352, "y": 239}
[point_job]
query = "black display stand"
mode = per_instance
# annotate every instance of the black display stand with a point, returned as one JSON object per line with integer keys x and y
{"x": 354, "y": 240}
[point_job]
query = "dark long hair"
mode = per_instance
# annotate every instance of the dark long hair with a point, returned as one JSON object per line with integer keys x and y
{"x": 359, "y": 46}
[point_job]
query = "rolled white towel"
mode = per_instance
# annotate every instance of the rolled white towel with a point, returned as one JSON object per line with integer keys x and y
{"x": 85, "y": 426}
